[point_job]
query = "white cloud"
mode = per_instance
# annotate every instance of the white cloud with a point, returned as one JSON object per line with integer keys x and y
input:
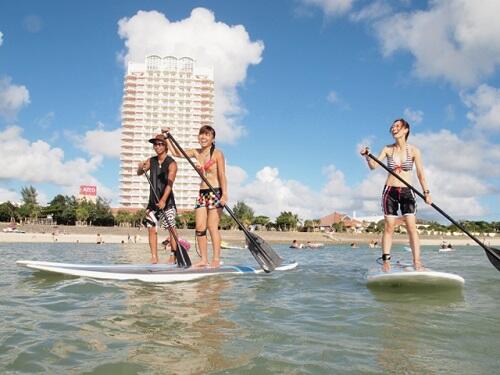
{"x": 331, "y": 7}
{"x": 38, "y": 162}
{"x": 413, "y": 116}
{"x": 98, "y": 142}
{"x": 484, "y": 106}
{"x": 372, "y": 11}
{"x": 12, "y": 98}
{"x": 456, "y": 40}
{"x": 227, "y": 48}
{"x": 450, "y": 164}
{"x": 334, "y": 98}
{"x": 32, "y": 23}
{"x": 9, "y": 195}
{"x": 1, "y": 38}
{"x": 46, "y": 120}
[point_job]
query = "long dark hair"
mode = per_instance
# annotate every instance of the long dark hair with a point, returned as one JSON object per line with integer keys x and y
{"x": 406, "y": 125}
{"x": 207, "y": 129}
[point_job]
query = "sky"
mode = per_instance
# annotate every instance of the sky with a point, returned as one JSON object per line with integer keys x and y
{"x": 301, "y": 85}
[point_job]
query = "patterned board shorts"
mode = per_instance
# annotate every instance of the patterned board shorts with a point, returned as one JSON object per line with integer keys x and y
{"x": 206, "y": 198}
{"x": 163, "y": 218}
{"x": 398, "y": 198}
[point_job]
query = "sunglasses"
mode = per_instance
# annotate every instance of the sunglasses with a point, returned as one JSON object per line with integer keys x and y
{"x": 158, "y": 144}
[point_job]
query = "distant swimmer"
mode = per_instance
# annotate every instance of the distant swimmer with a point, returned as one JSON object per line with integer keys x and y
{"x": 396, "y": 196}
{"x": 296, "y": 245}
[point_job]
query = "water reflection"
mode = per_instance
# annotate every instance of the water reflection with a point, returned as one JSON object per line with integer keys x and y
{"x": 180, "y": 328}
{"x": 411, "y": 330}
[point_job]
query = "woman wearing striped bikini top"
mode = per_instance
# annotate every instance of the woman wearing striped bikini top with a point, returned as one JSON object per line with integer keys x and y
{"x": 397, "y": 198}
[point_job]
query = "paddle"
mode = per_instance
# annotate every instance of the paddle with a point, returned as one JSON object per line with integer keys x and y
{"x": 492, "y": 254}
{"x": 181, "y": 255}
{"x": 261, "y": 251}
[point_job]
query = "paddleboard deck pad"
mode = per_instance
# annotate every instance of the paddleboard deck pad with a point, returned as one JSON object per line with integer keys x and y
{"x": 406, "y": 276}
{"x": 154, "y": 273}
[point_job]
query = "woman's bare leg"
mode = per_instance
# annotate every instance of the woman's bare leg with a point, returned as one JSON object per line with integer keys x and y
{"x": 411, "y": 227}
{"x": 387, "y": 239}
{"x": 213, "y": 228}
{"x": 201, "y": 226}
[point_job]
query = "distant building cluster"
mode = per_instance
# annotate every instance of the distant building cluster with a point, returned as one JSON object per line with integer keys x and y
{"x": 163, "y": 92}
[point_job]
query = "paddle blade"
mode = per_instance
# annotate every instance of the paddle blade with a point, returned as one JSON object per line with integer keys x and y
{"x": 182, "y": 257}
{"x": 267, "y": 258}
{"x": 494, "y": 256}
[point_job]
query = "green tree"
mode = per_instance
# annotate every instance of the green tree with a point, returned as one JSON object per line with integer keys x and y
{"x": 287, "y": 221}
{"x": 261, "y": 220}
{"x": 82, "y": 214}
{"x": 138, "y": 217}
{"x": 123, "y": 216}
{"x": 226, "y": 222}
{"x": 243, "y": 212}
{"x": 186, "y": 220}
{"x": 8, "y": 211}
{"x": 308, "y": 226}
{"x": 339, "y": 227}
{"x": 30, "y": 207}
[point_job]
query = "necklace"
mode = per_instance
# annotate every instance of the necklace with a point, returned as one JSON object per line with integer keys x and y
{"x": 160, "y": 163}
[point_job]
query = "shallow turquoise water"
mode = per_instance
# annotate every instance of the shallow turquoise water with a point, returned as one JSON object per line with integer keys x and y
{"x": 317, "y": 319}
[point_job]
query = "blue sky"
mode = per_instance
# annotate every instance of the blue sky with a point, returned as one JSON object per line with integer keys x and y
{"x": 302, "y": 84}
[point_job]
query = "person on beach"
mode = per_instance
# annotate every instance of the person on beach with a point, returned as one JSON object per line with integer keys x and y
{"x": 401, "y": 156}
{"x": 163, "y": 170}
{"x": 208, "y": 207}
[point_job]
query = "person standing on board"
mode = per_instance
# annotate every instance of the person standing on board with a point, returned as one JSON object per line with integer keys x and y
{"x": 208, "y": 207}
{"x": 163, "y": 170}
{"x": 397, "y": 196}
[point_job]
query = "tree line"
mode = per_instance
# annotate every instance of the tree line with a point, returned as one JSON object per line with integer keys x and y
{"x": 68, "y": 210}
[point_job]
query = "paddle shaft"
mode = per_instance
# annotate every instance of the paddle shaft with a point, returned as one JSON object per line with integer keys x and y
{"x": 169, "y": 228}
{"x": 435, "y": 207}
{"x": 245, "y": 230}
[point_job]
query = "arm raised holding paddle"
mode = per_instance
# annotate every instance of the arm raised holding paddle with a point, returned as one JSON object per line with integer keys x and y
{"x": 261, "y": 251}
{"x": 396, "y": 196}
{"x": 212, "y": 195}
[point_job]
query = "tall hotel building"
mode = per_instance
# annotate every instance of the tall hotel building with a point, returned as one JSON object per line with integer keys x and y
{"x": 163, "y": 92}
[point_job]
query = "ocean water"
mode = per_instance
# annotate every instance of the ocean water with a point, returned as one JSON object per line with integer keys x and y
{"x": 317, "y": 319}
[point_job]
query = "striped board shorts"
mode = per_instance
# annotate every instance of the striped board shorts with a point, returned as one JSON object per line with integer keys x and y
{"x": 163, "y": 218}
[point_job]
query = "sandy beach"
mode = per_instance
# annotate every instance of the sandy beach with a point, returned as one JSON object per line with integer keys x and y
{"x": 73, "y": 234}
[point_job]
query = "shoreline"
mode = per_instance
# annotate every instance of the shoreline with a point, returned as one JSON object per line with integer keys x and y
{"x": 117, "y": 235}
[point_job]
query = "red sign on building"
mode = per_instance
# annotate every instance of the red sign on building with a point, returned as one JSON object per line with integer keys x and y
{"x": 88, "y": 190}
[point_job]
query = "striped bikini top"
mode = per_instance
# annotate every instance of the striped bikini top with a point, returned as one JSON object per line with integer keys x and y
{"x": 397, "y": 165}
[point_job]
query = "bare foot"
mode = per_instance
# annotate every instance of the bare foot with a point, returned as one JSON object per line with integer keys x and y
{"x": 215, "y": 263}
{"x": 200, "y": 264}
{"x": 386, "y": 266}
{"x": 171, "y": 260}
{"x": 419, "y": 267}
{"x": 154, "y": 260}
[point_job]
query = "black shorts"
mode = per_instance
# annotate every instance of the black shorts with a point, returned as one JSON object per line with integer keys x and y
{"x": 396, "y": 198}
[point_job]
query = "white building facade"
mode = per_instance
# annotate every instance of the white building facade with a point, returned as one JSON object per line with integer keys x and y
{"x": 163, "y": 92}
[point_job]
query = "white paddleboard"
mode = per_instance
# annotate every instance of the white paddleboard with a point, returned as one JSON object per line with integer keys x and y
{"x": 154, "y": 273}
{"x": 406, "y": 276}
{"x": 446, "y": 250}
